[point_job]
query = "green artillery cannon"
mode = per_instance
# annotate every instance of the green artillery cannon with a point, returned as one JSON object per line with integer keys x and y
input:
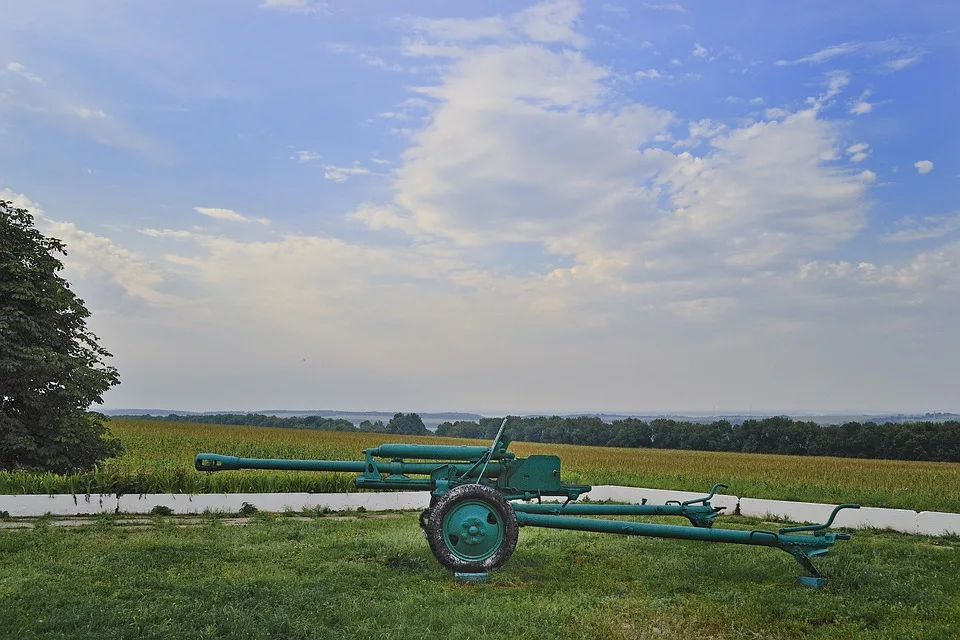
{"x": 480, "y": 496}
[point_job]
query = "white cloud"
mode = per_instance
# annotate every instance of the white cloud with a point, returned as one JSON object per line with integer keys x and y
{"x": 295, "y": 6}
{"x": 90, "y": 255}
{"x": 904, "y": 55}
{"x": 923, "y": 166}
{"x": 380, "y": 63}
{"x": 97, "y": 259}
{"x": 552, "y": 22}
{"x": 523, "y": 148}
{"x": 861, "y": 106}
{"x": 304, "y": 156}
{"x": 86, "y": 112}
{"x": 377, "y": 217}
{"x": 19, "y": 69}
{"x": 229, "y": 215}
{"x": 547, "y": 22}
{"x": 924, "y": 229}
{"x": 549, "y": 213}
{"x": 827, "y": 53}
{"x": 836, "y": 82}
{"x": 757, "y": 101}
{"x": 57, "y": 106}
{"x": 699, "y": 51}
{"x": 701, "y": 130}
{"x": 666, "y": 6}
{"x": 462, "y": 29}
{"x": 342, "y": 174}
{"x": 858, "y": 152}
{"x": 649, "y": 74}
{"x": 901, "y": 63}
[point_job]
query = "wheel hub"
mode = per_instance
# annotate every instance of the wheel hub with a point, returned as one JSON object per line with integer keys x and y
{"x": 472, "y": 531}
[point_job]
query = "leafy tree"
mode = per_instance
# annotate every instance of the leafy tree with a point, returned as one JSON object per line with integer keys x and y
{"x": 373, "y": 427}
{"x": 51, "y": 367}
{"x": 408, "y": 424}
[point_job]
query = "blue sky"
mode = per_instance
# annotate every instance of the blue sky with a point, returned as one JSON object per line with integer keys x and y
{"x": 499, "y": 206}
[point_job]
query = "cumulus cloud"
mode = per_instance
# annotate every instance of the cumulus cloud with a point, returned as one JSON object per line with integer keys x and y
{"x": 228, "y": 214}
{"x": 923, "y": 166}
{"x": 557, "y": 220}
{"x": 97, "y": 258}
{"x": 522, "y": 147}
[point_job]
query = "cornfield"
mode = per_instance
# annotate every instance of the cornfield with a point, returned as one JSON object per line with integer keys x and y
{"x": 159, "y": 459}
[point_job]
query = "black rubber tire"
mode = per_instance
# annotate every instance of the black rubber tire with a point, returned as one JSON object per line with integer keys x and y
{"x": 497, "y": 504}
{"x": 425, "y": 514}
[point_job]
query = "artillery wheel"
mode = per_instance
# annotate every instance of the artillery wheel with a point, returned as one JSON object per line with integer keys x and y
{"x": 472, "y": 528}
{"x": 425, "y": 514}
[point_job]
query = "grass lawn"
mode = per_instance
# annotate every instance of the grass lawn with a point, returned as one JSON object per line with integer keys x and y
{"x": 374, "y": 577}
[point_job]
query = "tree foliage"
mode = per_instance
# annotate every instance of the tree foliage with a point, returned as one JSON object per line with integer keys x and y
{"x": 256, "y": 420}
{"x": 921, "y": 440}
{"x": 51, "y": 366}
{"x": 408, "y": 424}
{"x": 937, "y": 441}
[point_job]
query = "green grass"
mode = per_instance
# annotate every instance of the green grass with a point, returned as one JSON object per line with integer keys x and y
{"x": 375, "y": 578}
{"x": 159, "y": 459}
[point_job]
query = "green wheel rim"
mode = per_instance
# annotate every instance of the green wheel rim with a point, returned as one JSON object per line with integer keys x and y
{"x": 472, "y": 531}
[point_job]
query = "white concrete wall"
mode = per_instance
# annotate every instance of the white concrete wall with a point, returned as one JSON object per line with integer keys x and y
{"x": 932, "y": 523}
{"x": 275, "y": 502}
{"x": 903, "y": 520}
{"x": 58, "y": 504}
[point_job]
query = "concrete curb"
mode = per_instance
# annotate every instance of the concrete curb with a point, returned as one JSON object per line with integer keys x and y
{"x": 930, "y": 523}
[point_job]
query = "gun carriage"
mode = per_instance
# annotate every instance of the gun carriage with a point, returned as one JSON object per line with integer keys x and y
{"x": 481, "y": 496}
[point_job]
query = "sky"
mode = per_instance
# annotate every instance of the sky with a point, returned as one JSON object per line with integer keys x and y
{"x": 499, "y": 206}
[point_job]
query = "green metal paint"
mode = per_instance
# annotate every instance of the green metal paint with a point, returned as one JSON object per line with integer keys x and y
{"x": 471, "y": 531}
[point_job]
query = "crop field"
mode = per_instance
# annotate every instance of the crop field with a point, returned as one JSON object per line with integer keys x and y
{"x": 159, "y": 459}
{"x": 374, "y": 577}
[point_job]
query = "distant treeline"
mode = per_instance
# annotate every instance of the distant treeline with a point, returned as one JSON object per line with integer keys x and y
{"x": 936, "y": 441}
{"x": 400, "y": 423}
